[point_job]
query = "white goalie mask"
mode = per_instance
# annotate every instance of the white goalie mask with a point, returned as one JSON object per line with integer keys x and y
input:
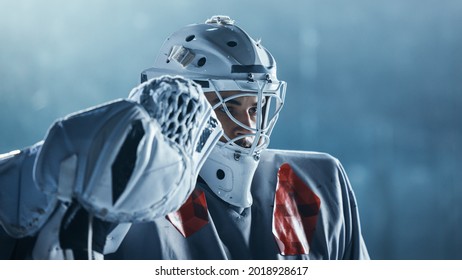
{"x": 230, "y": 66}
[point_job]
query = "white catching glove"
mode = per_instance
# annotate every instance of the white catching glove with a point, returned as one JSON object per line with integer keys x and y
{"x": 124, "y": 162}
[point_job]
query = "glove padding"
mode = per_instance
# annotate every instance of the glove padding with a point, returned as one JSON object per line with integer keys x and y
{"x": 83, "y": 158}
{"x": 23, "y": 207}
{"x": 184, "y": 114}
{"x": 124, "y": 162}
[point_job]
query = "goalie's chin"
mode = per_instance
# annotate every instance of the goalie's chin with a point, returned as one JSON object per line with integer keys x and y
{"x": 244, "y": 142}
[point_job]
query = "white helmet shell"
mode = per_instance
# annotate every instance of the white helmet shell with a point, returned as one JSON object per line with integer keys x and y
{"x": 217, "y": 49}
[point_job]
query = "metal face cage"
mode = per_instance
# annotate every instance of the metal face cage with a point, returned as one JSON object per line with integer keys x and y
{"x": 269, "y": 101}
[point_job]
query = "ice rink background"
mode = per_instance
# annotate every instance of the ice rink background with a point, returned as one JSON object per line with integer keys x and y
{"x": 377, "y": 84}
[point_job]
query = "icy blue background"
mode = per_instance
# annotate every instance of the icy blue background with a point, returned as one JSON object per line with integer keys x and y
{"x": 378, "y": 84}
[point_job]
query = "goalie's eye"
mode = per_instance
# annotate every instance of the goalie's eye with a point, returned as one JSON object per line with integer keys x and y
{"x": 253, "y": 111}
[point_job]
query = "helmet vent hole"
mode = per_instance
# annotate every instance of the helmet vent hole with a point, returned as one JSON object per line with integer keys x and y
{"x": 231, "y": 44}
{"x": 220, "y": 174}
{"x": 201, "y": 61}
{"x": 190, "y": 38}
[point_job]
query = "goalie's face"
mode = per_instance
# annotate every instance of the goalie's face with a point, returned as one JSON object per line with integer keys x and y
{"x": 244, "y": 109}
{"x": 247, "y": 111}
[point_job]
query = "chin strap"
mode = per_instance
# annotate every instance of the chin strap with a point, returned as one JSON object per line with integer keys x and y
{"x": 229, "y": 177}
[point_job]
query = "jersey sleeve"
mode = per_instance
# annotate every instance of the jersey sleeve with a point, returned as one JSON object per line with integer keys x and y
{"x": 355, "y": 246}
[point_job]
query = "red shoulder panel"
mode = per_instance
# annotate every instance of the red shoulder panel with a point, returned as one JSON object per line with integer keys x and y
{"x": 192, "y": 216}
{"x": 295, "y": 213}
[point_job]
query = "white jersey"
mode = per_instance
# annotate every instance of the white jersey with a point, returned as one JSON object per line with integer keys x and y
{"x": 323, "y": 224}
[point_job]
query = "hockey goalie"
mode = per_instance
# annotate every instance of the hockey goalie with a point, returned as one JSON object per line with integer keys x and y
{"x": 180, "y": 169}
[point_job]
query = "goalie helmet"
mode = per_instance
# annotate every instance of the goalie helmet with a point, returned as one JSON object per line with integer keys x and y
{"x": 221, "y": 57}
